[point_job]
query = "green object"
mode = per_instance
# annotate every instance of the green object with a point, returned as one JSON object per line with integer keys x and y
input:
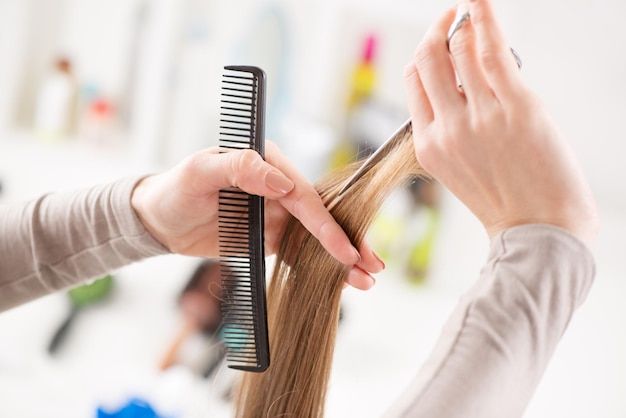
{"x": 90, "y": 293}
{"x": 81, "y": 297}
{"x": 384, "y": 233}
{"x": 421, "y": 253}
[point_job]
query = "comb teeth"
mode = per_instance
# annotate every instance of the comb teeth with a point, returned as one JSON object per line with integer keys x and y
{"x": 241, "y": 223}
{"x": 242, "y": 108}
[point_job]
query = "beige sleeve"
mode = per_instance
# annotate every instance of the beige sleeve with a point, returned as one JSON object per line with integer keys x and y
{"x": 494, "y": 348}
{"x": 63, "y": 239}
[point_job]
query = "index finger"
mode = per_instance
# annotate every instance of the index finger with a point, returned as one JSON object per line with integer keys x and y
{"x": 306, "y": 205}
{"x": 435, "y": 69}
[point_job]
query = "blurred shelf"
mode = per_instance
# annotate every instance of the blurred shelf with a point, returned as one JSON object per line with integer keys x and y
{"x": 29, "y": 166}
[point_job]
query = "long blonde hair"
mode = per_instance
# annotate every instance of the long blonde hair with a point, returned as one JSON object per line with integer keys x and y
{"x": 304, "y": 295}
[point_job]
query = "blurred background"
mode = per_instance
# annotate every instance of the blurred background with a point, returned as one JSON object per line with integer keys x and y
{"x": 92, "y": 91}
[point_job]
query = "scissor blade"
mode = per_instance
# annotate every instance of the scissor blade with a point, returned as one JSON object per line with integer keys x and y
{"x": 393, "y": 141}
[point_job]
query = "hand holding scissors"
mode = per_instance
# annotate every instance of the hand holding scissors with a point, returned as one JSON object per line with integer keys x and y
{"x": 491, "y": 143}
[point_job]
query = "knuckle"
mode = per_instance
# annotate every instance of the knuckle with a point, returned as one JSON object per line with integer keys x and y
{"x": 455, "y": 126}
{"x": 409, "y": 71}
{"x": 243, "y": 164}
{"x": 421, "y": 56}
{"x": 425, "y": 150}
{"x": 492, "y": 61}
{"x": 493, "y": 116}
{"x": 426, "y": 156}
{"x": 322, "y": 228}
{"x": 298, "y": 207}
{"x": 461, "y": 44}
{"x": 191, "y": 165}
{"x": 490, "y": 119}
{"x": 422, "y": 150}
{"x": 305, "y": 209}
{"x": 247, "y": 159}
{"x": 452, "y": 136}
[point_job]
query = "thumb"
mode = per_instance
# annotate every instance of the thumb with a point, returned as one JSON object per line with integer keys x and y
{"x": 244, "y": 169}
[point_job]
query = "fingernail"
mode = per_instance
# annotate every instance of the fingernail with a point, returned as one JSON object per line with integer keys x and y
{"x": 357, "y": 254}
{"x": 372, "y": 282}
{"x": 278, "y": 182}
{"x": 359, "y": 279}
{"x": 380, "y": 260}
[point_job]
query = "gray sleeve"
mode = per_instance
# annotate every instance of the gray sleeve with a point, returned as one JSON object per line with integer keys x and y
{"x": 494, "y": 348}
{"x": 63, "y": 239}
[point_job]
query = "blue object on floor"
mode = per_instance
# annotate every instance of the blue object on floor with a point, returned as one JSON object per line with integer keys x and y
{"x": 135, "y": 408}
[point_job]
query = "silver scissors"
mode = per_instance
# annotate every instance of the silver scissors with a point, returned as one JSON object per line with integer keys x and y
{"x": 404, "y": 133}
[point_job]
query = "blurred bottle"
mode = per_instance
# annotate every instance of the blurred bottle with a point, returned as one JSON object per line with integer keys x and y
{"x": 405, "y": 232}
{"x": 426, "y": 196}
{"x": 406, "y": 237}
{"x": 55, "y": 112}
{"x": 364, "y": 74}
{"x": 362, "y": 83}
{"x": 98, "y": 124}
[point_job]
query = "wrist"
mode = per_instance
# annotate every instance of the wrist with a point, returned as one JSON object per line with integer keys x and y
{"x": 140, "y": 202}
{"x": 583, "y": 228}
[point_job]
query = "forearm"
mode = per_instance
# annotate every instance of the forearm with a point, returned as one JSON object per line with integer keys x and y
{"x": 498, "y": 341}
{"x": 63, "y": 239}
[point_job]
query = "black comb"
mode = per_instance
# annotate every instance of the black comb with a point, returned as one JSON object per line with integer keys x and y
{"x": 241, "y": 224}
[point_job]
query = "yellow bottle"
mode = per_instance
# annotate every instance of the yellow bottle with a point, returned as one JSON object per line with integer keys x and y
{"x": 361, "y": 88}
{"x": 364, "y": 75}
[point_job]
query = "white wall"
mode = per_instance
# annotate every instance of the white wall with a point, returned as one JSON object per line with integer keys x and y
{"x": 571, "y": 52}
{"x": 13, "y": 27}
